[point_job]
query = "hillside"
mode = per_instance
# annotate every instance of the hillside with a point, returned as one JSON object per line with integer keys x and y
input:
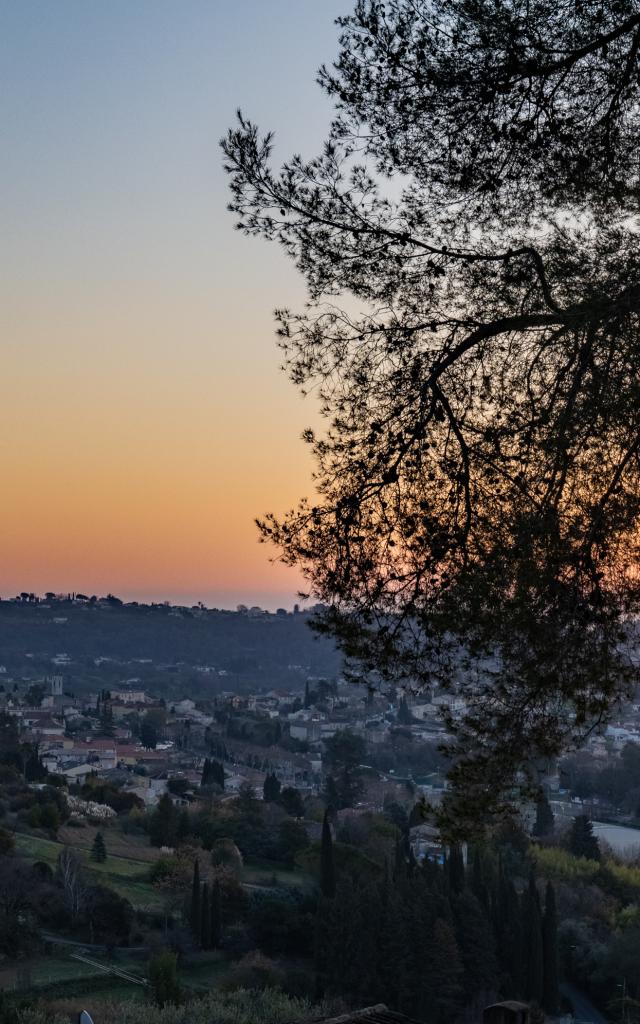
{"x": 113, "y": 641}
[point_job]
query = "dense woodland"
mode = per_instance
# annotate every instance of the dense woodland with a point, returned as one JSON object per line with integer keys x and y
{"x": 277, "y": 650}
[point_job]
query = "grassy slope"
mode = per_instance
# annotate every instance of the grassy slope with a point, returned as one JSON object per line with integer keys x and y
{"x": 123, "y": 874}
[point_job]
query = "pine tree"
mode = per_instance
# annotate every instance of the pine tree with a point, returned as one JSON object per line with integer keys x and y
{"x": 582, "y": 841}
{"x": 533, "y": 942}
{"x": 216, "y": 915}
{"x": 99, "y": 850}
{"x": 545, "y": 821}
{"x": 327, "y": 866}
{"x": 205, "y": 918}
{"x": 551, "y": 995}
{"x": 195, "y": 913}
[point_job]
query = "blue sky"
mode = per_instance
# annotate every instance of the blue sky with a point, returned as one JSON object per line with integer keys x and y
{"x": 143, "y": 420}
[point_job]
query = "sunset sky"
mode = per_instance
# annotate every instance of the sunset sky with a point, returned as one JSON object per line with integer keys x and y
{"x": 144, "y": 420}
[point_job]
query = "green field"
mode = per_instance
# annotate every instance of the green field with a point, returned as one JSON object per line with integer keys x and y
{"x": 69, "y": 977}
{"x": 124, "y": 875}
{"x": 128, "y": 875}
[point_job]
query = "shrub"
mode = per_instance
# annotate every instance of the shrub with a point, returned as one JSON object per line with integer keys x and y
{"x": 240, "y": 1007}
{"x": 254, "y": 971}
{"x": 225, "y": 853}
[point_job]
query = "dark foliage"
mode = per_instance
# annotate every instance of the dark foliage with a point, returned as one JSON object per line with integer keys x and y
{"x": 551, "y": 992}
{"x": 545, "y": 822}
{"x": 99, "y": 849}
{"x": 479, "y": 482}
{"x": 327, "y": 865}
{"x": 581, "y": 841}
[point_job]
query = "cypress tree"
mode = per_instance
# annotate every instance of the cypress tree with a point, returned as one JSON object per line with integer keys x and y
{"x": 194, "y": 916}
{"x": 509, "y": 935}
{"x": 331, "y": 795}
{"x": 455, "y": 869}
{"x": 326, "y": 940}
{"x": 404, "y": 714}
{"x": 307, "y": 700}
{"x": 271, "y": 788}
{"x": 216, "y": 915}
{"x": 478, "y": 885}
{"x": 400, "y": 866}
{"x": 551, "y": 995}
{"x": 545, "y": 821}
{"x": 106, "y": 718}
{"x": 327, "y": 866}
{"x": 205, "y": 918}
{"x": 413, "y": 863}
{"x": 444, "y": 973}
{"x": 533, "y": 943}
{"x": 99, "y": 850}
{"x": 184, "y": 824}
{"x": 476, "y": 943}
{"x": 206, "y": 773}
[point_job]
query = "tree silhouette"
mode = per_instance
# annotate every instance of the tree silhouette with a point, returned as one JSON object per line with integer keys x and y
{"x": 216, "y": 915}
{"x": 581, "y": 840}
{"x": 478, "y": 483}
{"x": 205, "y": 917}
{"x": 344, "y": 754}
{"x": 551, "y": 993}
{"x": 195, "y": 913}
{"x": 271, "y": 788}
{"x": 534, "y": 960}
{"x": 164, "y": 822}
{"x": 99, "y": 850}
{"x": 545, "y": 821}
{"x": 327, "y": 865}
{"x": 163, "y": 978}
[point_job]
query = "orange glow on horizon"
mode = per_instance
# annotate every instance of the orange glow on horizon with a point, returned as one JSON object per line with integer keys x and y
{"x": 144, "y": 421}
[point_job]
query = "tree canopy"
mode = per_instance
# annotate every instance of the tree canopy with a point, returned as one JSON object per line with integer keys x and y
{"x": 469, "y": 239}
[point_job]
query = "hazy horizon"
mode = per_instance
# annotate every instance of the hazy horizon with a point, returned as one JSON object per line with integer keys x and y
{"x": 225, "y": 600}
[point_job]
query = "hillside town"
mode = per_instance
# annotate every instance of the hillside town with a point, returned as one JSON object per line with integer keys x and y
{"x": 148, "y": 745}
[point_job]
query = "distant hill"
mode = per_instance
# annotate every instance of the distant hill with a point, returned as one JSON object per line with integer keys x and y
{"x": 252, "y": 650}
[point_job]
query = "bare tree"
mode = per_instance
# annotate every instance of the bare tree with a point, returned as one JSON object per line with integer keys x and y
{"x": 71, "y": 877}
